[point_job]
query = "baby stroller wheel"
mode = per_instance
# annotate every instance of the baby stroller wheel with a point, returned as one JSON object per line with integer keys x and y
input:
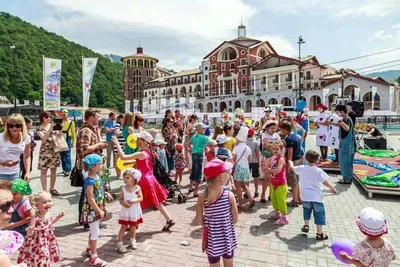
{"x": 171, "y": 194}
{"x": 184, "y": 199}
{"x": 180, "y": 199}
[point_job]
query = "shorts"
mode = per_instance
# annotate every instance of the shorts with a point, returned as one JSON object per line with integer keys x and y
{"x": 254, "y": 169}
{"x": 291, "y": 177}
{"x": 317, "y": 208}
{"x": 9, "y": 177}
{"x": 214, "y": 260}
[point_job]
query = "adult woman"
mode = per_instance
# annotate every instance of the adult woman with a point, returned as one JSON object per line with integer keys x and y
{"x": 6, "y": 210}
{"x": 14, "y": 141}
{"x": 217, "y": 131}
{"x": 171, "y": 137}
{"x": 138, "y": 124}
{"x": 168, "y": 114}
{"x": 189, "y": 132}
{"x": 127, "y": 129}
{"x": 48, "y": 158}
{"x": 153, "y": 193}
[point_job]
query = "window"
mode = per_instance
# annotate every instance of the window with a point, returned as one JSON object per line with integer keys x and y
{"x": 242, "y": 52}
{"x": 322, "y": 84}
{"x": 315, "y": 85}
{"x": 213, "y": 87}
{"x": 308, "y": 85}
{"x": 213, "y": 76}
{"x": 213, "y": 67}
{"x": 276, "y": 79}
{"x": 290, "y": 77}
{"x": 289, "y": 87}
{"x": 206, "y": 87}
{"x": 276, "y": 88}
{"x": 200, "y": 79}
{"x": 244, "y": 82}
{"x": 264, "y": 80}
{"x": 206, "y": 77}
{"x": 205, "y": 68}
{"x": 301, "y": 75}
{"x": 308, "y": 75}
{"x": 301, "y": 86}
{"x": 243, "y": 71}
{"x": 262, "y": 53}
{"x": 223, "y": 66}
{"x": 243, "y": 62}
{"x": 229, "y": 54}
{"x": 232, "y": 66}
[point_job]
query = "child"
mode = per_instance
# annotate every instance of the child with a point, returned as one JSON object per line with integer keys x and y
{"x": 180, "y": 163}
{"x": 268, "y": 136}
{"x": 131, "y": 213}
{"x": 210, "y": 150}
{"x": 254, "y": 146}
{"x": 373, "y": 251}
{"x": 40, "y": 247}
{"x": 217, "y": 213}
{"x": 225, "y": 155}
{"x": 310, "y": 178}
{"x": 93, "y": 208}
{"x": 222, "y": 142}
{"x": 276, "y": 168}
{"x": 162, "y": 155}
{"x": 241, "y": 175}
{"x": 23, "y": 212}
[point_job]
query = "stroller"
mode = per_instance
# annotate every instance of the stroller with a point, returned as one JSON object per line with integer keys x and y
{"x": 163, "y": 178}
{"x": 105, "y": 177}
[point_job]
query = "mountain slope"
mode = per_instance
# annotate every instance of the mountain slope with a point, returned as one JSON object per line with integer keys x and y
{"x": 31, "y": 44}
{"x": 113, "y": 58}
{"x": 388, "y": 75}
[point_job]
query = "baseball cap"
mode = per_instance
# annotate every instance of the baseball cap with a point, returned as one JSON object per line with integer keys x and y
{"x": 200, "y": 126}
{"x": 212, "y": 143}
{"x": 222, "y": 153}
{"x": 251, "y": 132}
{"x": 145, "y": 136}
{"x": 161, "y": 142}
{"x": 371, "y": 222}
{"x": 222, "y": 139}
{"x": 64, "y": 111}
{"x": 215, "y": 167}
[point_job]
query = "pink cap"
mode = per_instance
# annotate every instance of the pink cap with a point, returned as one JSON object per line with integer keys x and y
{"x": 215, "y": 167}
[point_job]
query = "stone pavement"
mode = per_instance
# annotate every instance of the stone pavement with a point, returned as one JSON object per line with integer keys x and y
{"x": 260, "y": 242}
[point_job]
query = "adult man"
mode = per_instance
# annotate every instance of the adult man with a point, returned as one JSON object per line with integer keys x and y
{"x": 346, "y": 145}
{"x": 351, "y": 113}
{"x": 109, "y": 129}
{"x": 267, "y": 117}
{"x": 68, "y": 130}
{"x": 180, "y": 121}
{"x": 88, "y": 142}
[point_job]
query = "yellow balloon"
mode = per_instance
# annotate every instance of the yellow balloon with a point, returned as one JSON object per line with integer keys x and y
{"x": 131, "y": 141}
{"x": 121, "y": 164}
{"x": 248, "y": 121}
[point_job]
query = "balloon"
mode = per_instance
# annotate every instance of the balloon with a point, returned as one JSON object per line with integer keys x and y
{"x": 131, "y": 141}
{"x": 248, "y": 121}
{"x": 121, "y": 164}
{"x": 342, "y": 245}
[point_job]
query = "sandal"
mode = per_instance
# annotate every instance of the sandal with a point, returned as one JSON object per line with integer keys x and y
{"x": 54, "y": 193}
{"x": 321, "y": 236}
{"x": 293, "y": 204}
{"x": 305, "y": 229}
{"x": 97, "y": 262}
{"x": 168, "y": 225}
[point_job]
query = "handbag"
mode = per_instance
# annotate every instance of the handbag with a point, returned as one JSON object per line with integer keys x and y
{"x": 76, "y": 177}
{"x": 234, "y": 165}
{"x": 60, "y": 145}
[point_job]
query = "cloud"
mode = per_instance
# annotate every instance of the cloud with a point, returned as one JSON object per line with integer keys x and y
{"x": 206, "y": 18}
{"x": 382, "y": 36}
{"x": 281, "y": 45}
{"x": 396, "y": 26}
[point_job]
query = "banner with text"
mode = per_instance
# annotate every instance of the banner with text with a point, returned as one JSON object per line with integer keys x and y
{"x": 145, "y": 106}
{"x": 171, "y": 104}
{"x": 325, "y": 93}
{"x": 88, "y": 68}
{"x": 135, "y": 105}
{"x": 51, "y": 83}
{"x": 191, "y": 104}
{"x": 182, "y": 104}
{"x": 356, "y": 93}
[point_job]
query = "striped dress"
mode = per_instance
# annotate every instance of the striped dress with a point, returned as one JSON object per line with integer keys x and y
{"x": 221, "y": 232}
{"x": 121, "y": 139}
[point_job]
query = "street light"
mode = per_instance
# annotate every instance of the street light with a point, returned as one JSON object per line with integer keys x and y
{"x": 12, "y": 46}
{"x": 341, "y": 91}
{"x": 300, "y": 42}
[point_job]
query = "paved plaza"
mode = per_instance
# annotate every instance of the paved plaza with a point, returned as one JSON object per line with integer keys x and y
{"x": 260, "y": 242}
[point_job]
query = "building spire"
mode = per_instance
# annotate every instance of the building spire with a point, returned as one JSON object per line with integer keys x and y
{"x": 241, "y": 29}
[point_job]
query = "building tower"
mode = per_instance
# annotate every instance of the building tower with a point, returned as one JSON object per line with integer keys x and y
{"x": 138, "y": 69}
{"x": 241, "y": 30}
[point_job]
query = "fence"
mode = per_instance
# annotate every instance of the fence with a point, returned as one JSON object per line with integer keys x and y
{"x": 382, "y": 122}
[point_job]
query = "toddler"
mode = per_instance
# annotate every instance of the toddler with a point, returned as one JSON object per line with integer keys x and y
{"x": 180, "y": 164}
{"x": 225, "y": 155}
{"x": 23, "y": 212}
{"x": 373, "y": 251}
{"x": 310, "y": 179}
{"x": 210, "y": 150}
{"x": 254, "y": 146}
{"x": 131, "y": 213}
{"x": 40, "y": 247}
{"x": 162, "y": 155}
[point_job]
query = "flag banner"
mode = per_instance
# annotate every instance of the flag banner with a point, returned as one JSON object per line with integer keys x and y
{"x": 136, "y": 105}
{"x": 88, "y": 68}
{"x": 325, "y": 93}
{"x": 374, "y": 89}
{"x": 37, "y": 103}
{"x": 127, "y": 106}
{"x": 153, "y": 106}
{"x": 163, "y": 105}
{"x": 391, "y": 97}
{"x": 191, "y": 103}
{"x": 51, "y": 83}
{"x": 182, "y": 104}
{"x": 340, "y": 91}
{"x": 145, "y": 106}
{"x": 172, "y": 102}
{"x": 356, "y": 93}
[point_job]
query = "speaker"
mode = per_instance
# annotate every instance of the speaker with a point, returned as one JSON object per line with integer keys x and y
{"x": 358, "y": 108}
{"x": 376, "y": 143}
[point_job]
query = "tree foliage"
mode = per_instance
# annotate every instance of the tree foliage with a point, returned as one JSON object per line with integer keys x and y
{"x": 32, "y": 43}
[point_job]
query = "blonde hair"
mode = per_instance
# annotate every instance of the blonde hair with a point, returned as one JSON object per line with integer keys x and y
{"x": 35, "y": 198}
{"x": 15, "y": 119}
{"x": 129, "y": 119}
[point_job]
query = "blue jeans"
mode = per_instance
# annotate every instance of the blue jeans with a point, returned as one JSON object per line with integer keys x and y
{"x": 9, "y": 177}
{"x": 81, "y": 203}
{"x": 318, "y": 209}
{"x": 66, "y": 157}
{"x": 170, "y": 161}
{"x": 197, "y": 167}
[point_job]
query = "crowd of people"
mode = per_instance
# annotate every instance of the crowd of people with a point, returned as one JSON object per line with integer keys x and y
{"x": 226, "y": 160}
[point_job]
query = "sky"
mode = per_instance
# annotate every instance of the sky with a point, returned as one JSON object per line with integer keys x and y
{"x": 181, "y": 32}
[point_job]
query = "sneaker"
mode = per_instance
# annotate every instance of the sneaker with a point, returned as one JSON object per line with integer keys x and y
{"x": 66, "y": 174}
{"x": 133, "y": 245}
{"x": 282, "y": 221}
{"x": 276, "y": 216}
{"x": 120, "y": 248}
{"x": 88, "y": 252}
{"x": 97, "y": 262}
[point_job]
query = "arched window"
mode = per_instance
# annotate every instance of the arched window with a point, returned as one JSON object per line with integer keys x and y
{"x": 169, "y": 91}
{"x": 134, "y": 64}
{"x": 146, "y": 63}
{"x": 176, "y": 91}
{"x": 129, "y": 63}
{"x": 262, "y": 53}
{"x": 152, "y": 65}
{"x": 140, "y": 63}
{"x": 229, "y": 54}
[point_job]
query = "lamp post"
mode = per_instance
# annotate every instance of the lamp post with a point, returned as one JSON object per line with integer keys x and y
{"x": 341, "y": 92}
{"x": 12, "y": 46}
{"x": 300, "y": 42}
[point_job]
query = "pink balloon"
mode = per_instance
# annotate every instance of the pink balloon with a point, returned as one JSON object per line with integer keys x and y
{"x": 342, "y": 245}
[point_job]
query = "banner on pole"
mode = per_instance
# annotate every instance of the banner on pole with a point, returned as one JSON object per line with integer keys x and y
{"x": 127, "y": 106}
{"x": 356, "y": 93}
{"x": 340, "y": 91}
{"x": 145, "y": 106}
{"x": 163, "y": 105}
{"x": 88, "y": 68}
{"x": 391, "y": 97}
{"x": 182, "y": 104}
{"x": 37, "y": 103}
{"x": 51, "y": 83}
{"x": 135, "y": 105}
{"x": 172, "y": 102}
{"x": 325, "y": 93}
{"x": 374, "y": 89}
{"x": 191, "y": 103}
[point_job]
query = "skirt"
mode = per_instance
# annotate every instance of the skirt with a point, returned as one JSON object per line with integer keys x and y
{"x": 131, "y": 216}
{"x": 153, "y": 192}
{"x": 242, "y": 174}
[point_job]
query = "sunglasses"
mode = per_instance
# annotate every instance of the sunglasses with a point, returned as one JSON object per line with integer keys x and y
{"x": 11, "y": 126}
{"x": 169, "y": 121}
{"x": 46, "y": 117}
{"x": 6, "y": 206}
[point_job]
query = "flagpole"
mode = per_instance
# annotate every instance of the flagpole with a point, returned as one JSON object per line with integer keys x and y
{"x": 83, "y": 95}
{"x": 44, "y": 82}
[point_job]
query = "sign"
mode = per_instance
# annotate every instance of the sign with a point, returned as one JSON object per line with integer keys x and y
{"x": 325, "y": 99}
{"x": 171, "y": 103}
{"x": 88, "y": 68}
{"x": 51, "y": 83}
{"x": 182, "y": 104}
{"x": 145, "y": 106}
{"x": 135, "y": 105}
{"x": 127, "y": 106}
{"x": 37, "y": 103}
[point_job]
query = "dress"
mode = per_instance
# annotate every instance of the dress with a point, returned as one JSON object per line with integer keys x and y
{"x": 153, "y": 192}
{"x": 333, "y": 131}
{"x": 322, "y": 138}
{"x": 179, "y": 159}
{"x": 133, "y": 215}
{"x": 374, "y": 257}
{"x": 41, "y": 248}
{"x": 221, "y": 238}
{"x": 89, "y": 215}
{"x": 47, "y": 157}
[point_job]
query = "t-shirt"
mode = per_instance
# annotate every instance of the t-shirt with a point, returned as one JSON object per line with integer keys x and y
{"x": 230, "y": 144}
{"x": 239, "y": 150}
{"x": 25, "y": 206}
{"x": 254, "y": 146}
{"x": 111, "y": 125}
{"x": 353, "y": 117}
{"x": 10, "y": 151}
{"x": 293, "y": 141}
{"x": 310, "y": 181}
{"x": 199, "y": 142}
{"x": 343, "y": 132}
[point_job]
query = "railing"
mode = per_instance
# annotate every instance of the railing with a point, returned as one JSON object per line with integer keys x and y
{"x": 390, "y": 122}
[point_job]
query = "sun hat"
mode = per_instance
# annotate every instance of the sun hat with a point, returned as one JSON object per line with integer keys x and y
{"x": 222, "y": 139}
{"x": 136, "y": 174}
{"x": 267, "y": 109}
{"x": 251, "y": 132}
{"x": 215, "y": 167}
{"x": 321, "y": 106}
{"x": 161, "y": 142}
{"x": 222, "y": 153}
{"x": 179, "y": 147}
{"x": 92, "y": 159}
{"x": 269, "y": 122}
{"x": 242, "y": 134}
{"x": 145, "y": 136}
{"x": 372, "y": 223}
{"x": 200, "y": 125}
{"x": 22, "y": 187}
{"x": 212, "y": 143}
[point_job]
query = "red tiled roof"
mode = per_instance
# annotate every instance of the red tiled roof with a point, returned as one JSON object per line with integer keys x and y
{"x": 256, "y": 64}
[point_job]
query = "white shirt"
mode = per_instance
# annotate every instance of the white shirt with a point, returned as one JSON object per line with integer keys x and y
{"x": 238, "y": 151}
{"x": 270, "y": 138}
{"x": 310, "y": 181}
{"x": 10, "y": 151}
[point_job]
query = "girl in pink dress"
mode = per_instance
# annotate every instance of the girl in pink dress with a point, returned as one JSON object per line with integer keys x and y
{"x": 153, "y": 193}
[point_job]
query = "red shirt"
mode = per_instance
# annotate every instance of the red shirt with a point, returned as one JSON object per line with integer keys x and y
{"x": 278, "y": 179}
{"x": 210, "y": 155}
